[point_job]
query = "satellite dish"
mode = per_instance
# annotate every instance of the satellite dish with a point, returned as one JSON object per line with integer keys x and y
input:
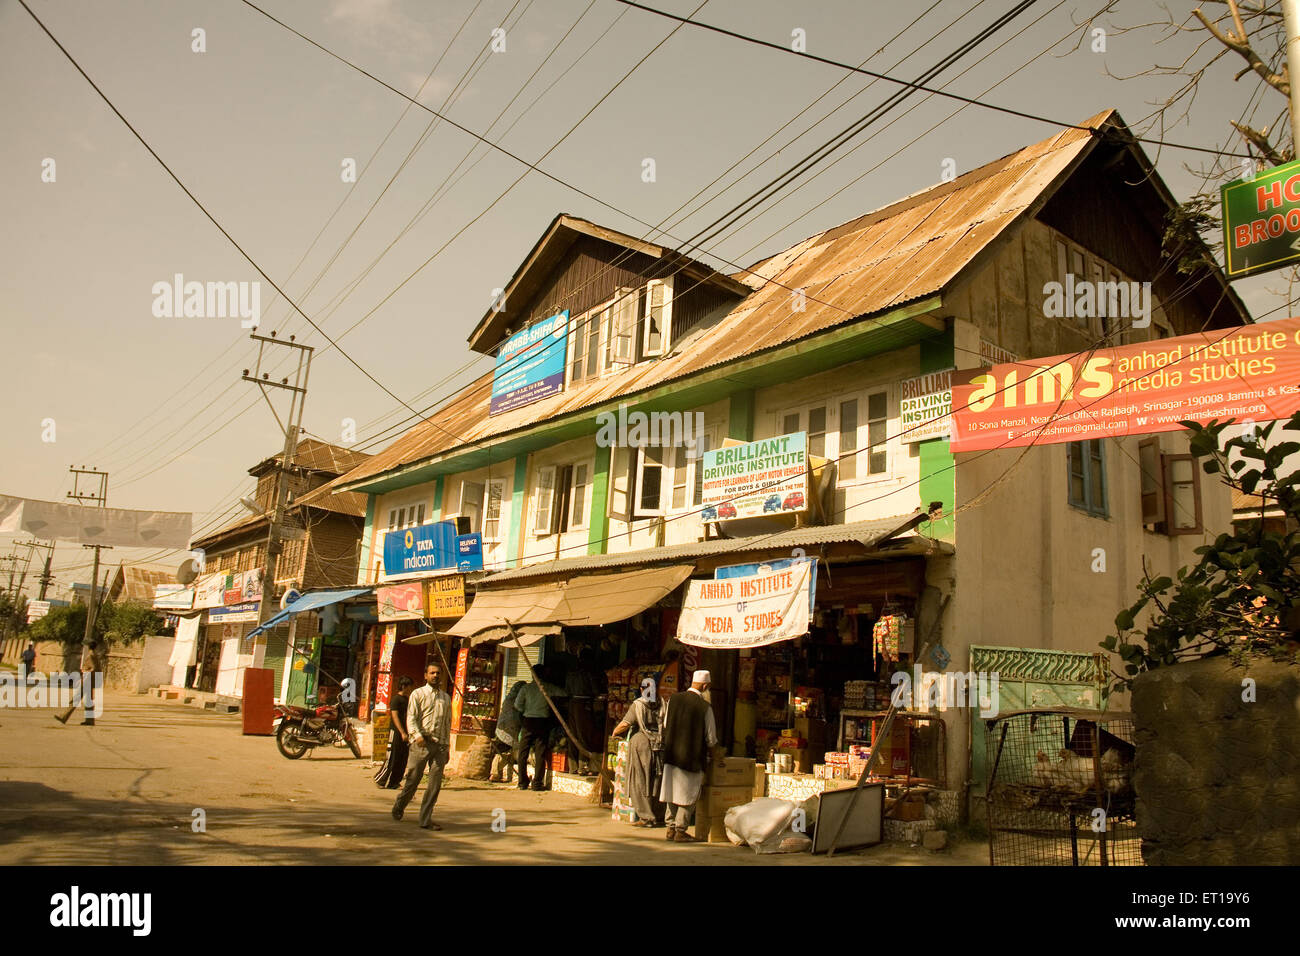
{"x": 290, "y": 595}
{"x": 187, "y": 572}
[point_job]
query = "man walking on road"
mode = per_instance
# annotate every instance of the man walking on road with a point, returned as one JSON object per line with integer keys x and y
{"x": 428, "y": 725}
{"x": 91, "y": 663}
{"x": 689, "y": 734}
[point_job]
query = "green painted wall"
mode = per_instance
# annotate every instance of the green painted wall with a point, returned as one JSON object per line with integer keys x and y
{"x": 516, "y": 510}
{"x": 938, "y": 467}
{"x": 599, "y": 525}
{"x": 740, "y": 417}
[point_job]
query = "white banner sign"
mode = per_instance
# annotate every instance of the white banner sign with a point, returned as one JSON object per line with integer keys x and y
{"x": 116, "y": 527}
{"x": 37, "y": 610}
{"x": 925, "y": 407}
{"x": 748, "y": 611}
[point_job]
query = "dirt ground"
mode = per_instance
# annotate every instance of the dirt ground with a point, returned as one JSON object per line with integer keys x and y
{"x": 126, "y": 792}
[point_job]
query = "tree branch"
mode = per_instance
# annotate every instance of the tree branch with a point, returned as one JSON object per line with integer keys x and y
{"x": 1239, "y": 42}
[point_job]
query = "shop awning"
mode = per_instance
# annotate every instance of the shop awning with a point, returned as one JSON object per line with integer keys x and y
{"x": 308, "y": 602}
{"x": 585, "y": 600}
{"x": 528, "y": 634}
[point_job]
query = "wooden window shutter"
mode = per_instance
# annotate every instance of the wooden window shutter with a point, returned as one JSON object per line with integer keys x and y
{"x": 1151, "y": 466}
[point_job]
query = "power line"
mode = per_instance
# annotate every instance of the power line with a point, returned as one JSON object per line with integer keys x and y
{"x": 970, "y": 101}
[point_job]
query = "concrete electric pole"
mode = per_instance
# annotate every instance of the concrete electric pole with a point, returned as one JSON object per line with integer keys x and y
{"x": 292, "y": 426}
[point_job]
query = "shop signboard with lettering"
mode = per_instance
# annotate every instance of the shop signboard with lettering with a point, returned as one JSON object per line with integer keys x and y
{"x": 756, "y": 478}
{"x": 750, "y": 611}
{"x": 1246, "y": 372}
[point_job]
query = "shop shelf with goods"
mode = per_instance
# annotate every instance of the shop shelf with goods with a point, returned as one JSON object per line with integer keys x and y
{"x": 479, "y": 673}
{"x": 915, "y": 752}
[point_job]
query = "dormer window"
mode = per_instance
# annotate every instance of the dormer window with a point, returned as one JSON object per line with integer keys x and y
{"x": 635, "y": 325}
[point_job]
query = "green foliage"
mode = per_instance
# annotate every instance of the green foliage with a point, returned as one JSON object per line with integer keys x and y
{"x": 120, "y": 623}
{"x": 128, "y": 621}
{"x": 13, "y": 613}
{"x": 1192, "y": 232}
{"x": 67, "y": 625}
{"x": 1243, "y": 597}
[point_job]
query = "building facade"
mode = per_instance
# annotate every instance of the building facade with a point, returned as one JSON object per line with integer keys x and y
{"x": 321, "y": 546}
{"x": 1012, "y": 561}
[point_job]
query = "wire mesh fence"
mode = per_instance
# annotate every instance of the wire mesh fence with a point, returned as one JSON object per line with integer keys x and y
{"x": 1060, "y": 789}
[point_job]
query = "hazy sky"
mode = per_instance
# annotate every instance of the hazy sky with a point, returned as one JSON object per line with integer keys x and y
{"x": 259, "y": 126}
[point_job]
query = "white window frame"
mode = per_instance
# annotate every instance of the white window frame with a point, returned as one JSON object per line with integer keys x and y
{"x": 638, "y": 471}
{"x": 862, "y": 451}
{"x": 582, "y": 326}
{"x": 499, "y": 485}
{"x": 580, "y": 517}
{"x": 478, "y": 502}
{"x": 669, "y": 476}
{"x": 623, "y": 326}
{"x": 543, "y": 493}
{"x": 665, "y": 318}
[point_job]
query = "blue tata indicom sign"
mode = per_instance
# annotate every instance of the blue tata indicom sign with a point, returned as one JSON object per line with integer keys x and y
{"x": 432, "y": 547}
{"x": 530, "y": 365}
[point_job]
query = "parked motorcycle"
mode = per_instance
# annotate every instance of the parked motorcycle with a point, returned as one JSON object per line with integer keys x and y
{"x": 302, "y": 728}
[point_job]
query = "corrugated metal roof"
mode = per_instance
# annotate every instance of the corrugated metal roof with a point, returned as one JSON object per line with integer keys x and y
{"x": 902, "y": 253}
{"x": 868, "y": 533}
{"x": 315, "y": 455}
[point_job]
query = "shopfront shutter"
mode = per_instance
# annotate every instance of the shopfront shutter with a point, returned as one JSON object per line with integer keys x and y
{"x": 516, "y": 666}
{"x": 277, "y": 643}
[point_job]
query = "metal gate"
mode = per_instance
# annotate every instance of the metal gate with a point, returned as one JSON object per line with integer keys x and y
{"x": 1030, "y": 677}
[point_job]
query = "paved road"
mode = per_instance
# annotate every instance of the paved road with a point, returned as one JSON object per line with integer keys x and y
{"x": 125, "y": 792}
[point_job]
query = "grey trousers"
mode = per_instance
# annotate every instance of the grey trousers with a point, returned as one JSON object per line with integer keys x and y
{"x": 420, "y": 758}
{"x": 679, "y": 816}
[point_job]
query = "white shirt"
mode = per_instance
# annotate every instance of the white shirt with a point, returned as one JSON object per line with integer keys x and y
{"x": 429, "y": 716}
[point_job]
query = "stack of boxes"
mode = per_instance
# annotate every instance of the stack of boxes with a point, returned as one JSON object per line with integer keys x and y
{"x": 728, "y": 782}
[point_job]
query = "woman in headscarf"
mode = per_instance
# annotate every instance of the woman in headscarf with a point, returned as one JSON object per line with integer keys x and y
{"x": 645, "y": 756}
{"x": 390, "y": 774}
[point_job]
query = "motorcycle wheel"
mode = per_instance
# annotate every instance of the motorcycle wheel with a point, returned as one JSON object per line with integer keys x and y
{"x": 290, "y": 747}
{"x": 351, "y": 737}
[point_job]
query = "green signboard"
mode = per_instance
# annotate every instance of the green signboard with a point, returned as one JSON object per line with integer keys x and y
{"x": 1261, "y": 221}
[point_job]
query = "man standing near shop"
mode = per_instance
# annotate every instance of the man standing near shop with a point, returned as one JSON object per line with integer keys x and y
{"x": 535, "y": 735}
{"x": 428, "y": 725}
{"x": 689, "y": 735}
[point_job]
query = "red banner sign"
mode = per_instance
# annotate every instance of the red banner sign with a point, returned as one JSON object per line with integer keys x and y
{"x": 1251, "y": 372}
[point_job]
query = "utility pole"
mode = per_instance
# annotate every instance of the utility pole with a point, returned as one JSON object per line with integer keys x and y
{"x": 292, "y": 426}
{"x": 1291, "y": 20}
{"x": 31, "y": 547}
{"x": 100, "y": 497}
{"x": 46, "y": 577}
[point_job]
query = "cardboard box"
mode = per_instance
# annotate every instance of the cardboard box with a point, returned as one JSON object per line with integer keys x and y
{"x": 811, "y": 729}
{"x": 715, "y": 801}
{"x": 710, "y": 829}
{"x": 910, "y": 808}
{"x": 731, "y": 772}
{"x": 760, "y": 780}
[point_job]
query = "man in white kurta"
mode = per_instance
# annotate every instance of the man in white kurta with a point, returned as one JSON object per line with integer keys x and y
{"x": 689, "y": 735}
